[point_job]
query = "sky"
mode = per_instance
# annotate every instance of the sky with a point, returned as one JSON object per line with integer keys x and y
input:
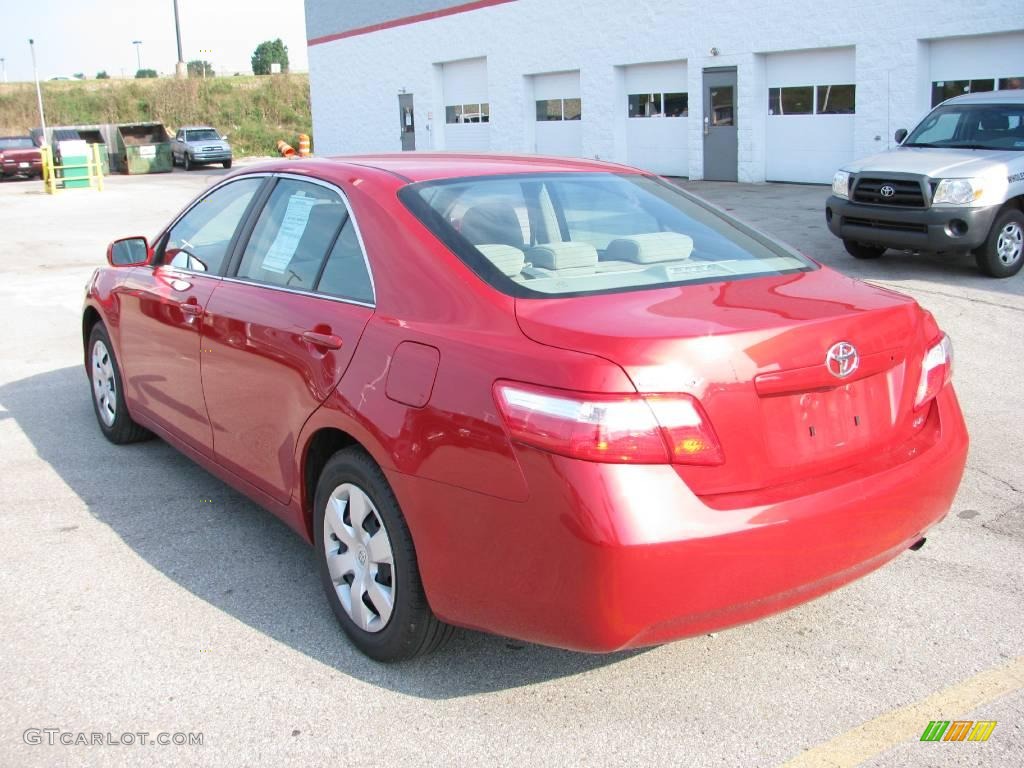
{"x": 92, "y": 35}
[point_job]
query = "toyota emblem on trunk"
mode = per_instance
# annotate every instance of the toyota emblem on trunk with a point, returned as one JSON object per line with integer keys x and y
{"x": 887, "y": 190}
{"x": 842, "y": 359}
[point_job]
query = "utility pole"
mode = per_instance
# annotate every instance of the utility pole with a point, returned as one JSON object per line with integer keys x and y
{"x": 179, "y": 68}
{"x": 138, "y": 53}
{"x": 39, "y": 91}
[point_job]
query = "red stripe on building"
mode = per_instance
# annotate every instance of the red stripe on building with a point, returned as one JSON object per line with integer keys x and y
{"x": 477, "y": 4}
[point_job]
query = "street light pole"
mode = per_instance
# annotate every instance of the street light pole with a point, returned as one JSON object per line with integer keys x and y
{"x": 179, "y": 68}
{"x": 39, "y": 91}
{"x": 138, "y": 53}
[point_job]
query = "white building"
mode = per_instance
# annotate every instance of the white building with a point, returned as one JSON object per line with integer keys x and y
{"x": 732, "y": 90}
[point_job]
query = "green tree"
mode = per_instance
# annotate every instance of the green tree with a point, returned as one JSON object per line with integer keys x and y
{"x": 200, "y": 68}
{"x": 102, "y": 75}
{"x": 269, "y": 52}
{"x": 145, "y": 73}
{"x": 79, "y": 76}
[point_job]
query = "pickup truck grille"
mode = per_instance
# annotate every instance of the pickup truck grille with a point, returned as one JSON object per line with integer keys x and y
{"x": 905, "y": 193}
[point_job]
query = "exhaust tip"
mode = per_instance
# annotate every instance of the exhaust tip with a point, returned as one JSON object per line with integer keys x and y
{"x": 918, "y": 544}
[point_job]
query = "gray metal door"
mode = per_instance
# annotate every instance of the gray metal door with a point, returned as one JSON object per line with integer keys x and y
{"x": 720, "y": 124}
{"x": 408, "y": 122}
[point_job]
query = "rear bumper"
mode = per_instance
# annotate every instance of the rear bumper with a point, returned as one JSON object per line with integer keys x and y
{"x": 34, "y": 168}
{"x": 605, "y": 557}
{"x": 920, "y": 229}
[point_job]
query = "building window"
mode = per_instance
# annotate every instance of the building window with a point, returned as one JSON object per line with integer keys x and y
{"x": 836, "y": 99}
{"x": 658, "y": 105}
{"x": 795, "y": 100}
{"x": 468, "y": 113}
{"x": 809, "y": 100}
{"x": 558, "y": 109}
{"x": 947, "y": 89}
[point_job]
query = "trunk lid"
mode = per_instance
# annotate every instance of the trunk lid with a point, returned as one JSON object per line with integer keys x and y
{"x": 753, "y": 351}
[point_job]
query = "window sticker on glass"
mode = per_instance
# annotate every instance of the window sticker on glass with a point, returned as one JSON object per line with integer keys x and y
{"x": 281, "y": 251}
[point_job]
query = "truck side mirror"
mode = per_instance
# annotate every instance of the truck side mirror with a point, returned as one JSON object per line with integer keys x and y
{"x": 901, "y": 134}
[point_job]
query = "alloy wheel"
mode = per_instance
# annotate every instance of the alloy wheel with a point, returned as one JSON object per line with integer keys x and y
{"x": 1010, "y": 243}
{"x": 359, "y": 557}
{"x": 104, "y": 383}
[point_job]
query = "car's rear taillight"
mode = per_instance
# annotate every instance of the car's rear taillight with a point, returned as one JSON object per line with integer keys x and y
{"x": 621, "y": 429}
{"x": 936, "y": 370}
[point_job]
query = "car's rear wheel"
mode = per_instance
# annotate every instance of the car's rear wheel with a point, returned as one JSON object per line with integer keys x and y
{"x": 863, "y": 251}
{"x": 1002, "y": 254}
{"x": 368, "y": 564}
{"x": 108, "y": 394}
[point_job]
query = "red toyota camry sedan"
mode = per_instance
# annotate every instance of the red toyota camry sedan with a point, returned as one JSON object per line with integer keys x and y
{"x": 558, "y": 400}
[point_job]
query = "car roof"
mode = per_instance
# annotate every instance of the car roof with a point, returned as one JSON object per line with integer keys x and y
{"x": 197, "y": 128}
{"x": 430, "y": 166}
{"x": 989, "y": 97}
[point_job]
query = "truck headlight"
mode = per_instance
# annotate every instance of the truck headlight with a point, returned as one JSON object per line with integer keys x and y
{"x": 841, "y": 184}
{"x": 958, "y": 192}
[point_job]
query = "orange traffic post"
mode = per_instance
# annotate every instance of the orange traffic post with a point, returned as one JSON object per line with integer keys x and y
{"x": 304, "y": 145}
{"x": 285, "y": 148}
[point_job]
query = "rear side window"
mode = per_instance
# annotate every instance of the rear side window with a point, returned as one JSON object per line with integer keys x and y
{"x": 345, "y": 274}
{"x": 294, "y": 232}
{"x": 570, "y": 234}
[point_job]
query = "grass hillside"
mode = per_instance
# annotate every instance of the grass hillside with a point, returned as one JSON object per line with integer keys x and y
{"x": 253, "y": 111}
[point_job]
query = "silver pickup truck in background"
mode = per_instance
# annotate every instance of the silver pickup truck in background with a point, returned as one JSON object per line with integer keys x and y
{"x": 954, "y": 183}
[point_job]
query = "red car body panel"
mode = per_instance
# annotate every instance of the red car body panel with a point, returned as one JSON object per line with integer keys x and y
{"x": 26, "y": 161}
{"x": 514, "y": 540}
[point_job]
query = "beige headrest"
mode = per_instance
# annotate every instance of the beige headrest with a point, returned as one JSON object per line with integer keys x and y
{"x": 507, "y": 258}
{"x": 651, "y": 248}
{"x": 563, "y": 255}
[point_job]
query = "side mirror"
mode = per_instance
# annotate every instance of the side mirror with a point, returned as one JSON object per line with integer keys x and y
{"x": 901, "y": 134}
{"x": 129, "y": 252}
{"x": 224, "y": 137}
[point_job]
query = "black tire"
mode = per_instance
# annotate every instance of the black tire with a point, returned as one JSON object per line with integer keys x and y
{"x": 122, "y": 429}
{"x": 1007, "y": 233}
{"x": 187, "y": 161}
{"x": 226, "y": 163}
{"x": 862, "y": 251}
{"x": 412, "y": 629}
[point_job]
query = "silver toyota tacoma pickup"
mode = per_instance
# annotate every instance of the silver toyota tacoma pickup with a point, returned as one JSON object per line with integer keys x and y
{"x": 954, "y": 183}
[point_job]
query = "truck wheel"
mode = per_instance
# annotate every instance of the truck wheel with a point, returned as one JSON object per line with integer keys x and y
{"x": 1002, "y": 254}
{"x": 368, "y": 564}
{"x": 226, "y": 163}
{"x": 187, "y": 161}
{"x": 861, "y": 251}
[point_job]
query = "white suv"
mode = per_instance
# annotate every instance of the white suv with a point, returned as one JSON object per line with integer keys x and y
{"x": 955, "y": 183}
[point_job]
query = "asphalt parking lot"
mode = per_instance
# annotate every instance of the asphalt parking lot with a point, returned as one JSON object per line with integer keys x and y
{"x": 139, "y": 594}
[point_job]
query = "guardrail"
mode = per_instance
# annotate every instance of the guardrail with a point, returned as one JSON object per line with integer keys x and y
{"x": 54, "y": 182}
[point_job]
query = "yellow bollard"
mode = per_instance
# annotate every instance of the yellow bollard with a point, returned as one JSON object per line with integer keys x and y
{"x": 97, "y": 166}
{"x": 49, "y": 182}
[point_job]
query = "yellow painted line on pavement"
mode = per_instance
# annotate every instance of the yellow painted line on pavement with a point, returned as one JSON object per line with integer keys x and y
{"x": 908, "y": 723}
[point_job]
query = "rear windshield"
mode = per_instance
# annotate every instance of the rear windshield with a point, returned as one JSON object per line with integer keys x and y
{"x": 971, "y": 126}
{"x": 204, "y": 134}
{"x": 16, "y": 142}
{"x": 543, "y": 235}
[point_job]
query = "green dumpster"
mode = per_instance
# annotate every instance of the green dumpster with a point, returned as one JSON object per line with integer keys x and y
{"x": 144, "y": 148}
{"x": 75, "y": 157}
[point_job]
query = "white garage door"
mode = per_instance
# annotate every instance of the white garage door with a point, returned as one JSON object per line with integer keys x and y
{"x": 971, "y": 64}
{"x": 812, "y": 100}
{"x": 467, "y": 110}
{"x": 657, "y": 115}
{"x": 559, "y": 114}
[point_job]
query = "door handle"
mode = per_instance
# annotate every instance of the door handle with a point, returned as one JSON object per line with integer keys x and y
{"x": 191, "y": 308}
{"x": 325, "y": 340}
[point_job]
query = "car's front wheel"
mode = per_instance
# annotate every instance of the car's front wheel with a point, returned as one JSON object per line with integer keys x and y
{"x": 187, "y": 161}
{"x": 108, "y": 394}
{"x": 368, "y": 563}
{"x": 1002, "y": 254}
{"x": 862, "y": 251}
{"x": 226, "y": 163}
